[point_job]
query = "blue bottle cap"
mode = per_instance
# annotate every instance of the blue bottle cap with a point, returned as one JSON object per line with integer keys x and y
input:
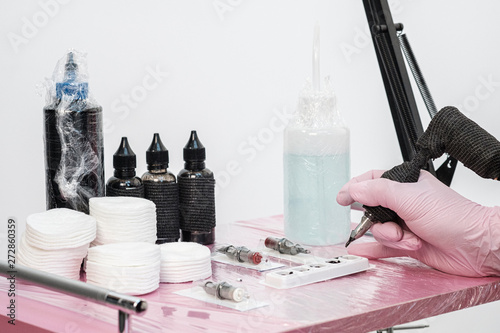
{"x": 71, "y": 86}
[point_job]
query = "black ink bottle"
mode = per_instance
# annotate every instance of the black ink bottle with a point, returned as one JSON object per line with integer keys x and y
{"x": 160, "y": 186}
{"x": 124, "y": 183}
{"x": 196, "y": 195}
{"x": 74, "y": 149}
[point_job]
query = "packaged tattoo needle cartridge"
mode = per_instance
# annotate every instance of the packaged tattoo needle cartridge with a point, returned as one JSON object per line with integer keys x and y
{"x": 241, "y": 256}
{"x": 224, "y": 290}
{"x": 74, "y": 150}
{"x": 223, "y": 293}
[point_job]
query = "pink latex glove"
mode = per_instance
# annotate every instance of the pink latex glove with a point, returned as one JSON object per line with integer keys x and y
{"x": 441, "y": 228}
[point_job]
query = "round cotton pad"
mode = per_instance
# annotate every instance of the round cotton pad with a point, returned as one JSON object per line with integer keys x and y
{"x": 123, "y": 219}
{"x": 56, "y": 241}
{"x": 60, "y": 228}
{"x": 132, "y": 268}
{"x": 184, "y": 261}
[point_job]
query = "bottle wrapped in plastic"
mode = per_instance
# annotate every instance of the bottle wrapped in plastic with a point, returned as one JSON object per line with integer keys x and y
{"x": 74, "y": 150}
{"x": 316, "y": 166}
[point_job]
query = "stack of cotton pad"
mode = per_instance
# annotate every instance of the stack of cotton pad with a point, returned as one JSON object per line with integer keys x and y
{"x": 131, "y": 268}
{"x": 184, "y": 261}
{"x": 56, "y": 241}
{"x": 123, "y": 219}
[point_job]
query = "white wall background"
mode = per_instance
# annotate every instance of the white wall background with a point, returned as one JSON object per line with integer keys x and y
{"x": 230, "y": 69}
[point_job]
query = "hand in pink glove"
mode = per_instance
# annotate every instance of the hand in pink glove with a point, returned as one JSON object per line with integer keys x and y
{"x": 441, "y": 228}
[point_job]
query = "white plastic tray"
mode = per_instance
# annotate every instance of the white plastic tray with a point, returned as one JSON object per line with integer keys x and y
{"x": 316, "y": 272}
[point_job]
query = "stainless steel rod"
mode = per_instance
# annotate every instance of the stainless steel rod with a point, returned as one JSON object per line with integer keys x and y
{"x": 126, "y": 303}
{"x": 123, "y": 322}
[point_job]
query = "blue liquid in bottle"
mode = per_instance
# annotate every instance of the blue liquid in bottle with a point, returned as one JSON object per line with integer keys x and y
{"x": 312, "y": 214}
{"x": 316, "y": 166}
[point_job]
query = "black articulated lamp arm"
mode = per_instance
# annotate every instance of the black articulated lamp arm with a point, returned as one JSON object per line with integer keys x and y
{"x": 396, "y": 80}
{"x": 397, "y": 84}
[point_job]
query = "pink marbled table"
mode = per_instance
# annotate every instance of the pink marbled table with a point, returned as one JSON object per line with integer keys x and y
{"x": 393, "y": 292}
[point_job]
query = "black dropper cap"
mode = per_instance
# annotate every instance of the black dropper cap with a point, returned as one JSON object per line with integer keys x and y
{"x": 194, "y": 153}
{"x": 124, "y": 159}
{"x": 157, "y": 154}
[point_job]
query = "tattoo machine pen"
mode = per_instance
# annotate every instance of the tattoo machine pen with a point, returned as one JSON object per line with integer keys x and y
{"x": 448, "y": 132}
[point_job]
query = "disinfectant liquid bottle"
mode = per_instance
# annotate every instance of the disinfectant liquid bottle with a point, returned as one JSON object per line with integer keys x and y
{"x": 316, "y": 166}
